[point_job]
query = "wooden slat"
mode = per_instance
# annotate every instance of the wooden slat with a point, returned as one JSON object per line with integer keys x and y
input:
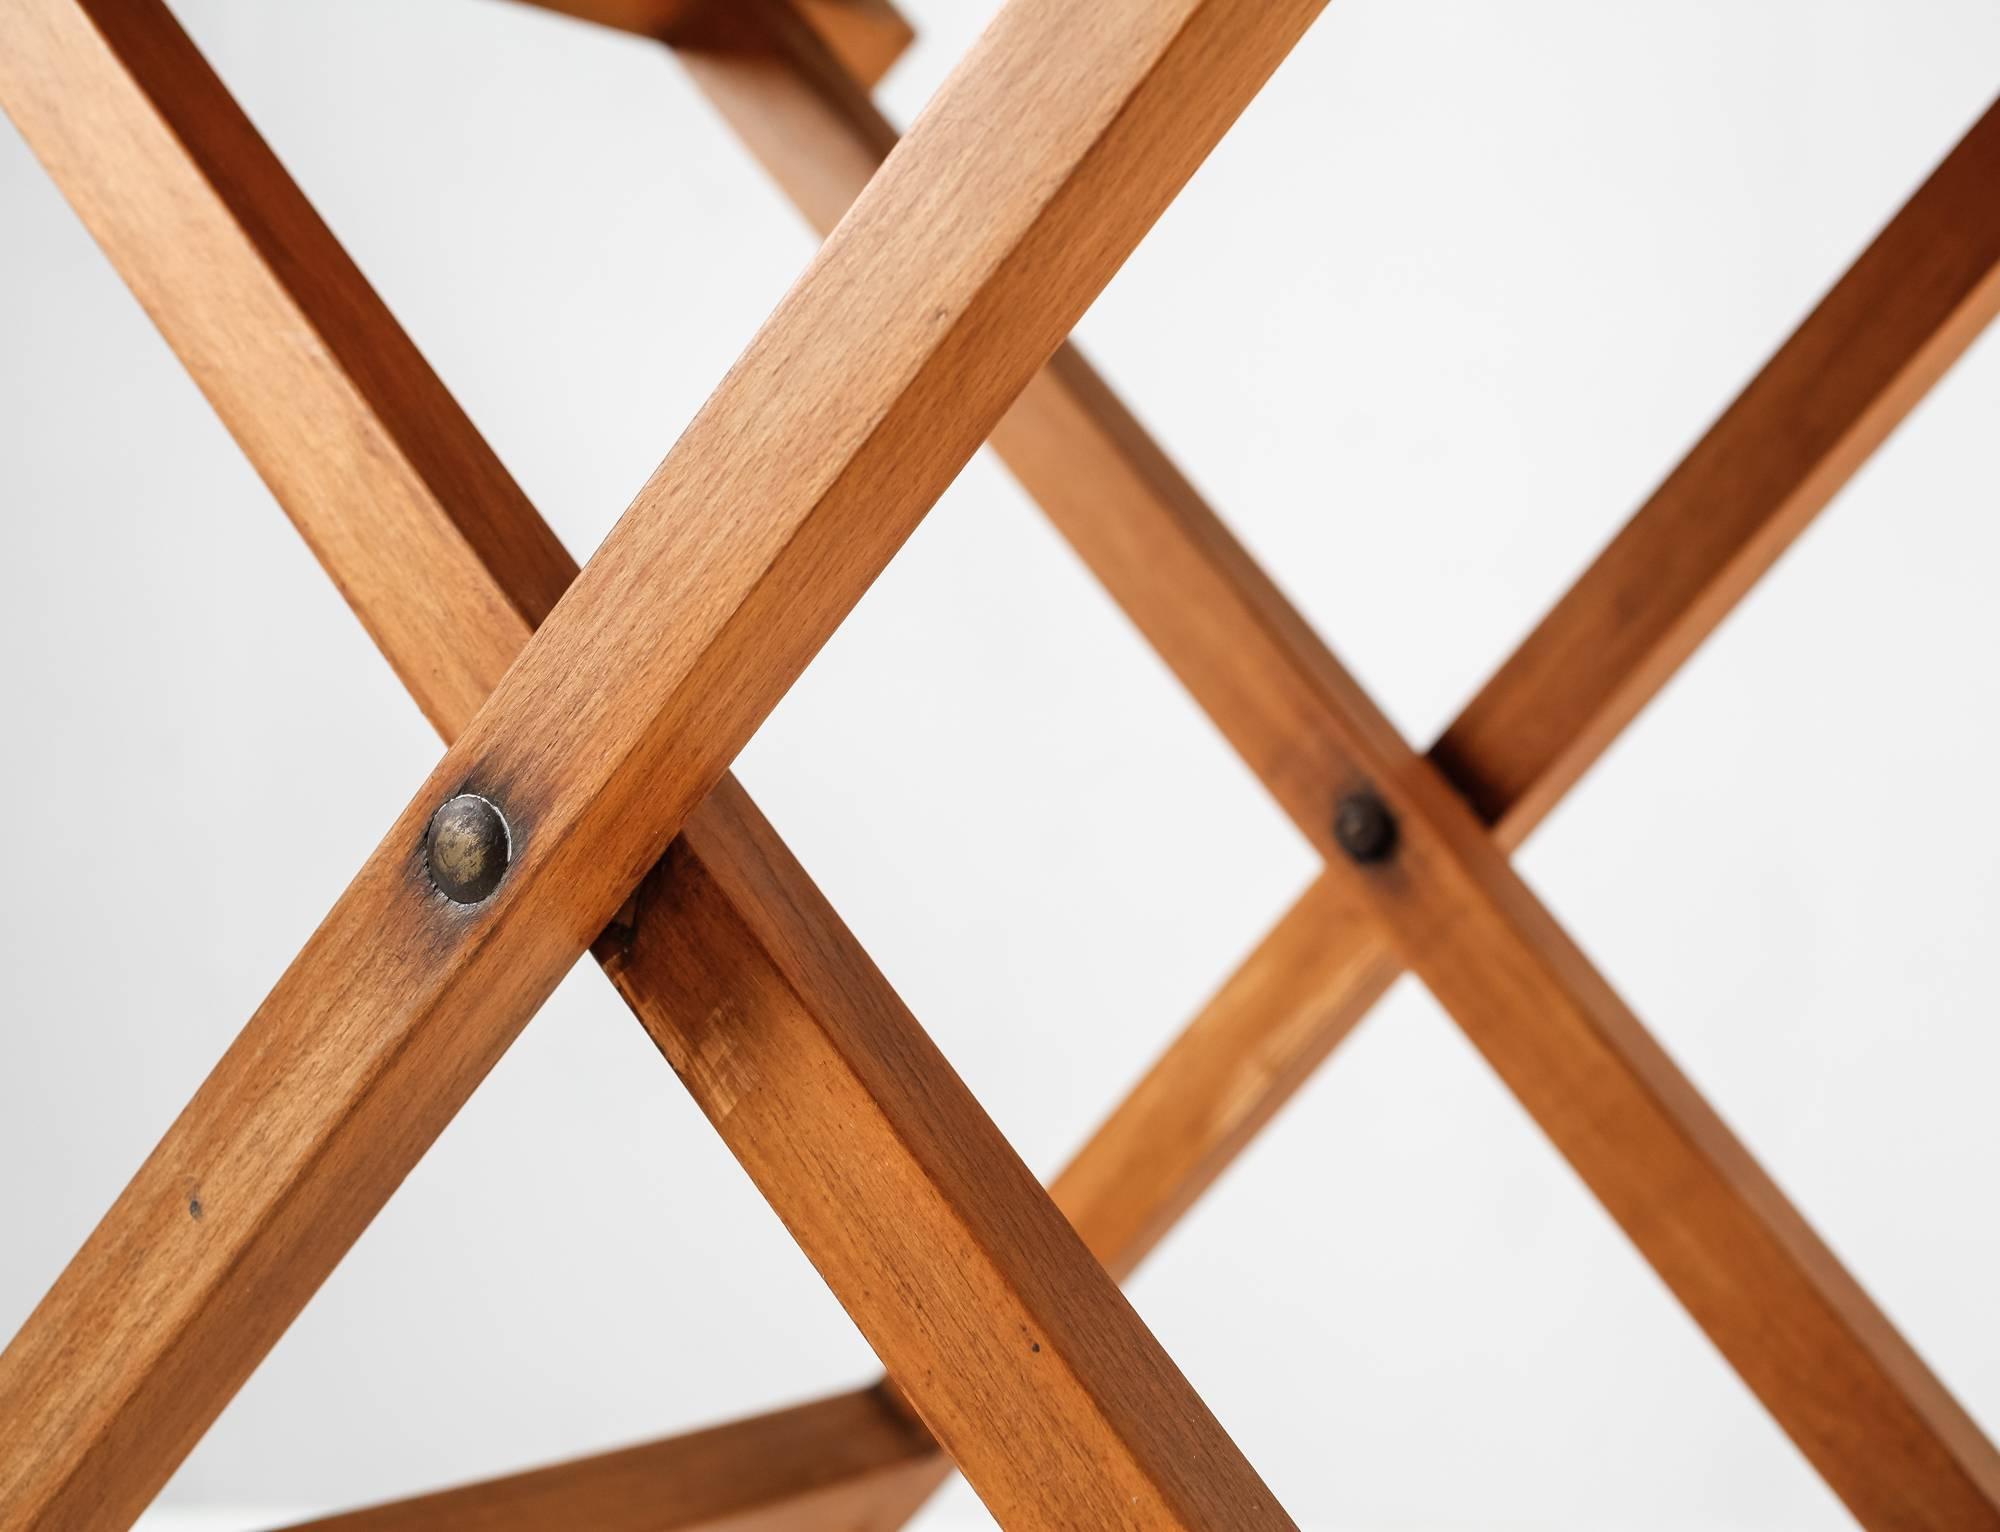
{"x": 429, "y": 539}
{"x": 1322, "y": 967}
{"x": 855, "y": 405}
{"x": 1288, "y": 1006}
{"x": 1882, "y": 1431}
{"x": 815, "y": 130}
{"x": 808, "y": 120}
{"x": 1880, "y": 339}
{"x": 854, "y": 1462}
{"x": 1884, "y": 335}
{"x": 1261, "y": 1034}
{"x": 867, "y": 36}
{"x": 1912, "y": 303}
{"x": 442, "y": 558}
{"x": 1308, "y": 984}
{"x": 879, "y": 1164}
{"x": 1888, "y": 330}
{"x": 1873, "y": 347}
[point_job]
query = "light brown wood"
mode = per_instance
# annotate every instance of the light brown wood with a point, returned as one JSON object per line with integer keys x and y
{"x": 852, "y": 1463}
{"x": 867, "y": 36}
{"x": 1845, "y": 379}
{"x": 814, "y": 129}
{"x": 1879, "y": 340}
{"x": 864, "y": 393}
{"x": 1888, "y": 330}
{"x": 1205, "y": 1099}
{"x": 807, "y": 119}
{"x": 1860, "y": 1404}
{"x": 648, "y": 18}
{"x": 1281, "y": 1013}
{"x": 880, "y": 1165}
{"x": 287, "y": 340}
{"x": 778, "y": 1022}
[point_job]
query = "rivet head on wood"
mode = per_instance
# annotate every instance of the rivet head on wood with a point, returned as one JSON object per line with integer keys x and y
{"x": 467, "y": 848}
{"x": 1364, "y": 827}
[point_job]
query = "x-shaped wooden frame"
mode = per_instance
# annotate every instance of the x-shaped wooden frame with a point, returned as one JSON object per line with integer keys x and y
{"x": 954, "y": 277}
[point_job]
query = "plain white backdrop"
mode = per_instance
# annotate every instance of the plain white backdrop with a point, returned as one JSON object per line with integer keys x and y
{"x": 1451, "y": 299}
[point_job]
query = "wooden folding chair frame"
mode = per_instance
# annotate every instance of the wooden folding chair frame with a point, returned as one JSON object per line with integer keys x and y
{"x": 591, "y": 717}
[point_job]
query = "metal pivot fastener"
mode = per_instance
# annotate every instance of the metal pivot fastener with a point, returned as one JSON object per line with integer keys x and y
{"x": 467, "y": 848}
{"x": 1364, "y": 827}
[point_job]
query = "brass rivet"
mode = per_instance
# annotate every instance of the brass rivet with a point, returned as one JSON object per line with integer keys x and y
{"x": 467, "y": 848}
{"x": 1364, "y": 827}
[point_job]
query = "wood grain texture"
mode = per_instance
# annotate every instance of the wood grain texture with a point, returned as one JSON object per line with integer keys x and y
{"x": 880, "y": 1165}
{"x": 816, "y": 132}
{"x": 1324, "y": 965}
{"x": 808, "y": 120}
{"x": 851, "y": 1463}
{"x": 1862, "y": 1406}
{"x": 857, "y": 402}
{"x": 1276, "y": 1019}
{"x": 286, "y": 338}
{"x": 1873, "y": 347}
{"x": 1879, "y": 340}
{"x": 1224, "y": 1077}
{"x": 866, "y": 36}
{"x": 1869, "y": 351}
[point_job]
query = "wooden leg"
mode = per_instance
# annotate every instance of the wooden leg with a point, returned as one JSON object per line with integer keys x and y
{"x": 1877, "y": 1425}
{"x": 1874, "y": 1421}
{"x": 1873, "y": 347}
{"x": 1261, "y": 1035}
{"x": 855, "y": 1462}
{"x": 1878, "y": 341}
{"x": 868, "y": 388}
{"x": 1887, "y": 331}
{"x": 1327, "y": 961}
{"x": 882, "y": 1167}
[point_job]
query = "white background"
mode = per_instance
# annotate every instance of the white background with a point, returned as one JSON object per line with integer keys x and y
{"x": 1457, "y": 292}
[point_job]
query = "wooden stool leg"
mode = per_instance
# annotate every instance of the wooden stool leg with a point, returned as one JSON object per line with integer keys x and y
{"x": 1887, "y": 331}
{"x": 855, "y": 1462}
{"x": 1878, "y": 1426}
{"x": 1871, "y": 349}
{"x": 736, "y": 561}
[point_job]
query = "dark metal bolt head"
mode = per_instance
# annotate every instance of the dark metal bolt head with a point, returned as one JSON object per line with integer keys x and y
{"x": 467, "y": 848}
{"x": 1364, "y": 827}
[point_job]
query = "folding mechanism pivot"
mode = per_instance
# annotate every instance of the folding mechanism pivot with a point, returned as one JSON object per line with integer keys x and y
{"x": 583, "y": 801}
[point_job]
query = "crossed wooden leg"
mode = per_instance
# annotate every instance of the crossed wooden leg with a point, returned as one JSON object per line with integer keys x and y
{"x": 1842, "y": 1383}
{"x": 1865, "y": 1410}
{"x": 856, "y": 404}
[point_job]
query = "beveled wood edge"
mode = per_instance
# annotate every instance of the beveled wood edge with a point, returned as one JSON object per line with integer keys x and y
{"x": 1107, "y": 177}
